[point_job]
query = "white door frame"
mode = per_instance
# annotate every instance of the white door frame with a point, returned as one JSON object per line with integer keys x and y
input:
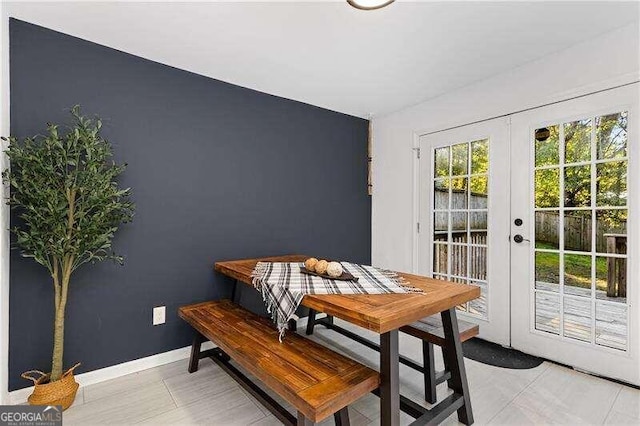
{"x": 496, "y": 326}
{"x": 620, "y": 365}
{"x": 4, "y": 209}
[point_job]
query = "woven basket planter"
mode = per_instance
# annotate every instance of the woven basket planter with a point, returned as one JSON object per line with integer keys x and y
{"x": 61, "y": 392}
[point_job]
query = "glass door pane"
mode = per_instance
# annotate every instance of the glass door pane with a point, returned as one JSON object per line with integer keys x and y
{"x": 580, "y": 248}
{"x": 460, "y": 217}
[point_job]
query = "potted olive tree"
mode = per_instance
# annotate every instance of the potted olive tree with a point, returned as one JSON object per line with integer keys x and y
{"x": 68, "y": 206}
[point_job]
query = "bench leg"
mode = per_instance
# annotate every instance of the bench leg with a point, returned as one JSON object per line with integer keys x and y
{"x": 429, "y": 365}
{"x": 447, "y": 368}
{"x": 292, "y": 325}
{"x": 454, "y": 362}
{"x": 195, "y": 352}
{"x": 234, "y": 290}
{"x": 303, "y": 421}
{"x": 342, "y": 417}
{"x": 311, "y": 322}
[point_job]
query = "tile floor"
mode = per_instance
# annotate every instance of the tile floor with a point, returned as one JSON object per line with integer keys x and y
{"x": 548, "y": 394}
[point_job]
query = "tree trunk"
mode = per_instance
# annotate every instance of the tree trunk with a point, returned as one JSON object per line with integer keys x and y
{"x": 58, "y": 330}
{"x": 66, "y": 265}
{"x": 58, "y": 344}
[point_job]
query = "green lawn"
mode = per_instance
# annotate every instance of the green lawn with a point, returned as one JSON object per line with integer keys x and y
{"x": 577, "y": 267}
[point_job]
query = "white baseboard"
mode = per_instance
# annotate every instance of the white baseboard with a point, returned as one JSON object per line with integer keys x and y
{"x": 96, "y": 376}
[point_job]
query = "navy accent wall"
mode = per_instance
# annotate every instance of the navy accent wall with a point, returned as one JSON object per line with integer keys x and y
{"x": 218, "y": 172}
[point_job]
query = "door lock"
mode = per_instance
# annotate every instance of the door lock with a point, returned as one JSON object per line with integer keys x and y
{"x": 518, "y": 222}
{"x": 519, "y": 238}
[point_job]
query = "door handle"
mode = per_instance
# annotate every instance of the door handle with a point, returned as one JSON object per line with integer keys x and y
{"x": 519, "y": 238}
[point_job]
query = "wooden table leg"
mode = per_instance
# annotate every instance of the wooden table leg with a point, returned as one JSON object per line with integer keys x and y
{"x": 611, "y": 275}
{"x": 454, "y": 361}
{"x": 622, "y": 277}
{"x": 389, "y": 379}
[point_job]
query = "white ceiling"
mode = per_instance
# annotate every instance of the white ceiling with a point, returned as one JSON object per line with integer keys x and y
{"x": 334, "y": 56}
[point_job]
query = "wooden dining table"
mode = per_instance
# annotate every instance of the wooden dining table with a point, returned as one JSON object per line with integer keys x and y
{"x": 385, "y": 314}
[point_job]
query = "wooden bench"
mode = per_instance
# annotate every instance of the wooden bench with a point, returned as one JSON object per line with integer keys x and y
{"x": 430, "y": 330}
{"x": 315, "y": 380}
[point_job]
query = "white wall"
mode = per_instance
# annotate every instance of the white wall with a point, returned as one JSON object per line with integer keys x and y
{"x": 606, "y": 61}
{"x": 4, "y": 210}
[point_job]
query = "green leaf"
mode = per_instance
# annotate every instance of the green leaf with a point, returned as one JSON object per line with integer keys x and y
{"x": 64, "y": 187}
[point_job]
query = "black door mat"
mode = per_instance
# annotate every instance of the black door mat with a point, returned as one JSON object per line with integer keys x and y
{"x": 499, "y": 356}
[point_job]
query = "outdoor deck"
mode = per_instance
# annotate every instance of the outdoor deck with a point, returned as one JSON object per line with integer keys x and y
{"x": 610, "y": 315}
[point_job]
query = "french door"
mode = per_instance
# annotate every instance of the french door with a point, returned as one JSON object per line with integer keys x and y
{"x": 574, "y": 266}
{"x": 540, "y": 210}
{"x": 464, "y": 218}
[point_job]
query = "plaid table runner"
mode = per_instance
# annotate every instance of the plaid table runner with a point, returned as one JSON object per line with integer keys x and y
{"x": 283, "y": 286}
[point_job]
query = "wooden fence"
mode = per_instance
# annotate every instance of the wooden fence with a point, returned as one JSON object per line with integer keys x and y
{"x": 474, "y": 267}
{"x": 577, "y": 236}
{"x": 458, "y": 200}
{"x": 466, "y": 260}
{"x": 577, "y": 231}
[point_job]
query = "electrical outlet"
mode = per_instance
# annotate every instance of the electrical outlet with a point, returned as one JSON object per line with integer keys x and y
{"x": 159, "y": 315}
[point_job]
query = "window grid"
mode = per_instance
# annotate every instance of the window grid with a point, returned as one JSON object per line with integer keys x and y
{"x": 466, "y": 254}
{"x": 566, "y": 299}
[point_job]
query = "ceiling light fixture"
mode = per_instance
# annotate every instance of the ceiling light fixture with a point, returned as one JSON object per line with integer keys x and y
{"x": 369, "y": 4}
